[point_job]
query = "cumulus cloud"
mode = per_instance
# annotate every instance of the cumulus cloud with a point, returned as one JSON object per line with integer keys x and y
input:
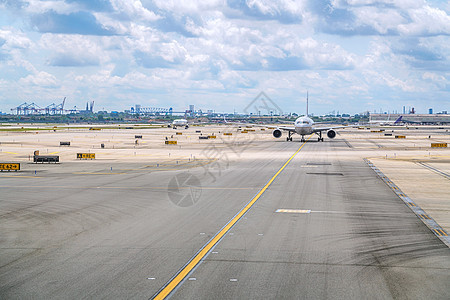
{"x": 31, "y": 7}
{"x": 161, "y": 56}
{"x": 81, "y": 22}
{"x": 133, "y": 10}
{"x": 40, "y": 79}
{"x": 426, "y": 21}
{"x": 319, "y": 55}
{"x": 14, "y": 39}
{"x": 12, "y": 43}
{"x": 74, "y": 50}
{"x": 93, "y": 5}
{"x": 68, "y": 60}
{"x": 346, "y": 49}
{"x": 366, "y": 17}
{"x": 285, "y": 11}
{"x": 433, "y": 76}
{"x": 428, "y": 54}
{"x": 185, "y": 7}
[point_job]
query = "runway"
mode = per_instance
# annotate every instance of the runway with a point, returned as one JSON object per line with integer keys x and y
{"x": 340, "y": 233}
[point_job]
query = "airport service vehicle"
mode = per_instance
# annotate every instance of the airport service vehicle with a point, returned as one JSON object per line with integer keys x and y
{"x": 179, "y": 122}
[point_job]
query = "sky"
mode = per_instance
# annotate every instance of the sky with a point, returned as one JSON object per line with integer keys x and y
{"x": 350, "y": 55}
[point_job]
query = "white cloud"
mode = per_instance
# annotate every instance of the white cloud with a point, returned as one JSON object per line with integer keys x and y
{"x": 387, "y": 79}
{"x": 382, "y": 20}
{"x": 426, "y": 21}
{"x": 75, "y": 50}
{"x": 41, "y": 6}
{"x": 433, "y": 77}
{"x": 134, "y": 9}
{"x": 367, "y": 17}
{"x": 404, "y": 4}
{"x": 440, "y": 81}
{"x": 41, "y": 79}
{"x": 193, "y": 6}
{"x": 14, "y": 39}
{"x": 319, "y": 55}
{"x": 200, "y": 50}
{"x": 273, "y": 8}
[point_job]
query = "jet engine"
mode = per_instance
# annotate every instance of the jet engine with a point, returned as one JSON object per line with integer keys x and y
{"x": 277, "y": 133}
{"x": 331, "y": 134}
{"x": 186, "y": 127}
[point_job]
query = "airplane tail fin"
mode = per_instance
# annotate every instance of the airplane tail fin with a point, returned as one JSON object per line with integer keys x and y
{"x": 398, "y": 120}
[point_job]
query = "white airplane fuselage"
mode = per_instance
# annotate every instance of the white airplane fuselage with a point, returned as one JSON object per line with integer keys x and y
{"x": 180, "y": 122}
{"x": 304, "y": 125}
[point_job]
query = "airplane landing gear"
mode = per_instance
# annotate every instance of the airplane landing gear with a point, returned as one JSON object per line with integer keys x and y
{"x": 320, "y": 139}
{"x": 289, "y": 138}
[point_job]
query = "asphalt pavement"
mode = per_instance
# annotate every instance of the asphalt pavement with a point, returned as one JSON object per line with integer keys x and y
{"x": 326, "y": 227}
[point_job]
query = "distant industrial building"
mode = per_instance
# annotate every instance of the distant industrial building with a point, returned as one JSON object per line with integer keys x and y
{"x": 438, "y": 119}
{"x": 191, "y": 110}
{"x": 89, "y": 109}
{"x": 26, "y": 109}
{"x": 34, "y": 109}
{"x": 149, "y": 111}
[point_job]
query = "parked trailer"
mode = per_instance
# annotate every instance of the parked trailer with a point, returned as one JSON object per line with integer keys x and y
{"x": 46, "y": 158}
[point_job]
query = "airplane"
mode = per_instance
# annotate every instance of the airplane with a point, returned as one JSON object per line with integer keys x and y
{"x": 179, "y": 122}
{"x": 387, "y": 122}
{"x": 305, "y": 126}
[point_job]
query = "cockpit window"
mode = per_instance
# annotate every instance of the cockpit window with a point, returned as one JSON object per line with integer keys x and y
{"x": 305, "y": 122}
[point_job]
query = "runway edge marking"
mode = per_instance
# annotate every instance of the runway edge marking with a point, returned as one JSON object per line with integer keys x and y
{"x": 183, "y": 273}
{"x": 435, "y": 228}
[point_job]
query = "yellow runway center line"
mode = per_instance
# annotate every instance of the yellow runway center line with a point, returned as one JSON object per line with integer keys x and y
{"x": 173, "y": 283}
{"x": 9, "y": 152}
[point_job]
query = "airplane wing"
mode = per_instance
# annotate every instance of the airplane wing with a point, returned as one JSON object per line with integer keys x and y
{"x": 291, "y": 129}
{"x": 318, "y": 129}
{"x": 247, "y": 124}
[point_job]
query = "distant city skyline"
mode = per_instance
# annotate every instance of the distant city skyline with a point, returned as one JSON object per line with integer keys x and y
{"x": 351, "y": 55}
{"x": 137, "y": 108}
